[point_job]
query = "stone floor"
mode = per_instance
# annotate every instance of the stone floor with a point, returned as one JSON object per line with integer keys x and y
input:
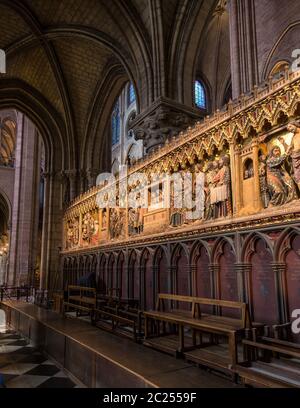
{"x": 23, "y": 366}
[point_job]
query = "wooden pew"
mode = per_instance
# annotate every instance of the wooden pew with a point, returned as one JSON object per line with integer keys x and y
{"x": 113, "y": 322}
{"x": 213, "y": 326}
{"x": 81, "y": 299}
{"x": 271, "y": 361}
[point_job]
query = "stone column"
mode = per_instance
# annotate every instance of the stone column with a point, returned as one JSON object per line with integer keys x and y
{"x": 44, "y": 245}
{"x": 172, "y": 283}
{"x": 25, "y": 205}
{"x": 214, "y": 270}
{"x": 243, "y": 271}
{"x": 237, "y": 191}
{"x": 243, "y": 46}
{"x": 82, "y": 181}
{"x": 72, "y": 175}
{"x": 233, "y": 159}
{"x": 193, "y": 272}
{"x": 257, "y": 197}
{"x": 92, "y": 176}
{"x": 281, "y": 293}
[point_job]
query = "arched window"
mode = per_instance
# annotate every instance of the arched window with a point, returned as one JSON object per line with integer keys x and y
{"x": 115, "y": 124}
{"x": 200, "y": 97}
{"x": 131, "y": 94}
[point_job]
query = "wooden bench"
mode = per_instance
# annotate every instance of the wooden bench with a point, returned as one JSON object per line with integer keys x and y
{"x": 81, "y": 299}
{"x": 111, "y": 321}
{"x": 270, "y": 361}
{"x": 213, "y": 326}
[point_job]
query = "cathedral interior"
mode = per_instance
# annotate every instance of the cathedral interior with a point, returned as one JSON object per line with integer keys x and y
{"x": 149, "y": 193}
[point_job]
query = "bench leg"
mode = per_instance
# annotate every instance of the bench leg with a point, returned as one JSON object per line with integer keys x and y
{"x": 146, "y": 322}
{"x": 181, "y": 338}
{"x": 232, "y": 349}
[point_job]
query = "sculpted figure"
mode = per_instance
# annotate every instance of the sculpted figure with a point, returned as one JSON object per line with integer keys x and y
{"x": 76, "y": 232}
{"x": 294, "y": 150}
{"x": 88, "y": 227}
{"x": 280, "y": 184}
{"x": 214, "y": 189}
{"x": 113, "y": 223}
{"x": 131, "y": 220}
{"x": 262, "y": 172}
{"x": 222, "y": 181}
{"x": 176, "y": 218}
{"x": 209, "y": 183}
{"x": 70, "y": 235}
{"x": 139, "y": 224}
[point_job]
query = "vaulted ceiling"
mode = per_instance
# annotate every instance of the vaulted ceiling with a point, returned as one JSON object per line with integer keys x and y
{"x": 76, "y": 55}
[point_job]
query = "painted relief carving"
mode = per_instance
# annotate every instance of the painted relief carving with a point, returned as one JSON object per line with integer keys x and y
{"x": 135, "y": 221}
{"x": 221, "y": 189}
{"x": 117, "y": 223}
{"x": 90, "y": 229}
{"x": 72, "y": 239}
{"x": 263, "y": 185}
{"x": 280, "y": 184}
{"x": 249, "y": 163}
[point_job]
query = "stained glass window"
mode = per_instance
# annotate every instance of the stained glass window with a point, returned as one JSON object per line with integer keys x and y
{"x": 115, "y": 124}
{"x": 131, "y": 94}
{"x": 200, "y": 98}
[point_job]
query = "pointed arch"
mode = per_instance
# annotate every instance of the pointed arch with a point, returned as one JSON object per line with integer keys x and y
{"x": 248, "y": 247}
{"x": 218, "y": 246}
{"x": 283, "y": 243}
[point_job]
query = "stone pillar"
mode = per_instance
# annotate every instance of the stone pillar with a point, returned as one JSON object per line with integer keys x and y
{"x": 44, "y": 246}
{"x": 233, "y": 159}
{"x": 56, "y": 232}
{"x": 243, "y": 271}
{"x": 155, "y": 282}
{"x": 257, "y": 197}
{"x": 172, "y": 283}
{"x": 214, "y": 270}
{"x": 237, "y": 191}
{"x": 72, "y": 175}
{"x": 92, "y": 176}
{"x": 281, "y": 293}
{"x": 243, "y": 46}
{"x": 25, "y": 206}
{"x": 143, "y": 289}
{"x": 193, "y": 272}
{"x": 82, "y": 181}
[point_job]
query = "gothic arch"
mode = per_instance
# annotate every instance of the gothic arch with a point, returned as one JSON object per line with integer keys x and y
{"x": 248, "y": 247}
{"x": 181, "y": 271}
{"x": 110, "y": 270}
{"x": 59, "y": 150}
{"x": 177, "y": 250}
{"x": 158, "y": 253}
{"x": 283, "y": 243}
{"x": 5, "y": 206}
{"x": 218, "y": 248}
{"x": 121, "y": 273}
{"x": 194, "y": 252}
{"x": 269, "y": 65}
{"x": 161, "y": 265}
{"x": 134, "y": 284}
{"x": 147, "y": 279}
{"x": 102, "y": 274}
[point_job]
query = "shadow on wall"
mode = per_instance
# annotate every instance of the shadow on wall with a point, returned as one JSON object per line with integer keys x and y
{"x": 2, "y": 321}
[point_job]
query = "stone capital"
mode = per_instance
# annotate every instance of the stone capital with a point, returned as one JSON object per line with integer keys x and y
{"x": 164, "y": 120}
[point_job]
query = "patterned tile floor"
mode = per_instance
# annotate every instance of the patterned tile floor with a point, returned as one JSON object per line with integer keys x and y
{"x": 23, "y": 366}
